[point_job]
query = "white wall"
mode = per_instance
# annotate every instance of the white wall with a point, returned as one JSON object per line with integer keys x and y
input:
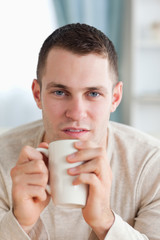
{"x": 24, "y": 26}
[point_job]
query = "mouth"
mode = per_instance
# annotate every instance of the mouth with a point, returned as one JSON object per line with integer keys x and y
{"x": 75, "y": 132}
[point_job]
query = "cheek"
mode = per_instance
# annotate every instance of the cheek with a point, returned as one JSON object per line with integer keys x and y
{"x": 54, "y": 111}
{"x": 100, "y": 118}
{"x": 51, "y": 108}
{"x": 101, "y": 110}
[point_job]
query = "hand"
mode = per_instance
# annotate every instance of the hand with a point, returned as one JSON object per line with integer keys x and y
{"x": 29, "y": 179}
{"x": 95, "y": 172}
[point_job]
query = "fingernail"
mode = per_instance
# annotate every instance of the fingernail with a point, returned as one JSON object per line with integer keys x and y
{"x": 73, "y": 170}
{"x": 71, "y": 156}
{"x": 78, "y": 144}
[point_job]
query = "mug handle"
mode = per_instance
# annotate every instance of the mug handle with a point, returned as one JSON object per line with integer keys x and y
{"x": 45, "y": 151}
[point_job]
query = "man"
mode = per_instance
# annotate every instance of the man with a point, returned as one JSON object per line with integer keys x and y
{"x": 77, "y": 88}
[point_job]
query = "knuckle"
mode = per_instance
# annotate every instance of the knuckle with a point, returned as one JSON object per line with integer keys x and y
{"x": 41, "y": 190}
{"x": 93, "y": 178}
{"x": 26, "y": 149}
{"x": 81, "y": 177}
{"x": 40, "y": 165}
{"x": 80, "y": 167}
{"x": 90, "y": 178}
{"x": 44, "y": 179}
{"x": 13, "y": 172}
{"x": 42, "y": 193}
{"x": 16, "y": 180}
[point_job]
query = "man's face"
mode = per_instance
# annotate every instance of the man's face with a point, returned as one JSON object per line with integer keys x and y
{"x": 77, "y": 96}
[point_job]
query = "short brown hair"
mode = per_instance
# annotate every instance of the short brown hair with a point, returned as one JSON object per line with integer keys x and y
{"x": 80, "y": 39}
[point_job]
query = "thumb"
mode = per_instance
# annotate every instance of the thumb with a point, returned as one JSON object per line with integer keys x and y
{"x": 43, "y": 145}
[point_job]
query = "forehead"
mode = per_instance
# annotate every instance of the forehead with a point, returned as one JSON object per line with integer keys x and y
{"x": 65, "y": 67}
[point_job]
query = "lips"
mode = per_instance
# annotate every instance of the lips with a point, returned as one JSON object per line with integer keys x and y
{"x": 75, "y": 132}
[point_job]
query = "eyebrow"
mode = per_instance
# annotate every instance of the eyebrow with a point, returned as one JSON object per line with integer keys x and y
{"x": 61, "y": 86}
{"x": 55, "y": 85}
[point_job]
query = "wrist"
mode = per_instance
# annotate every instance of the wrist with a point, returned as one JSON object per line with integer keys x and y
{"x": 27, "y": 229}
{"x": 103, "y": 227}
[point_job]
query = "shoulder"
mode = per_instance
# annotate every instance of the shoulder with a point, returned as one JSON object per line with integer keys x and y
{"x": 23, "y": 132}
{"x": 131, "y": 147}
{"x": 133, "y": 153}
{"x": 130, "y": 135}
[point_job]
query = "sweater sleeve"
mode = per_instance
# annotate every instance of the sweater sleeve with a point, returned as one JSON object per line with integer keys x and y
{"x": 123, "y": 231}
{"x": 147, "y": 218}
{"x": 10, "y": 229}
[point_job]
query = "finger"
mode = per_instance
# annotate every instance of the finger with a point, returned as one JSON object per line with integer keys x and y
{"x": 43, "y": 145}
{"x": 37, "y": 192}
{"x": 29, "y": 154}
{"x": 37, "y": 180}
{"x": 94, "y": 166}
{"x": 32, "y": 167}
{"x": 85, "y": 154}
{"x": 26, "y": 192}
{"x": 85, "y": 144}
{"x": 89, "y": 179}
{"x": 31, "y": 180}
{"x": 96, "y": 188}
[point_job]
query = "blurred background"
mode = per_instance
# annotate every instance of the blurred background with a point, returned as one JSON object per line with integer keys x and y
{"x": 132, "y": 25}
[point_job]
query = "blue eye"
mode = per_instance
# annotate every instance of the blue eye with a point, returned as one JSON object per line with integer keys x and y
{"x": 94, "y": 94}
{"x": 59, "y": 93}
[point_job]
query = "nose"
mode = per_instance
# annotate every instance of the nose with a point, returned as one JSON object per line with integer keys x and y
{"x": 76, "y": 109}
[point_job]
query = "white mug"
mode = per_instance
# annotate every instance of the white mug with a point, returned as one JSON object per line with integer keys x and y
{"x": 63, "y": 192}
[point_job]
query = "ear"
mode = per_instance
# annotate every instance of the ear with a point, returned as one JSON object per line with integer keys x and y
{"x": 117, "y": 96}
{"x": 37, "y": 93}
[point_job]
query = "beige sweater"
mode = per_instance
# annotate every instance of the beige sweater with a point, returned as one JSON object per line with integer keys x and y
{"x": 135, "y": 195}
